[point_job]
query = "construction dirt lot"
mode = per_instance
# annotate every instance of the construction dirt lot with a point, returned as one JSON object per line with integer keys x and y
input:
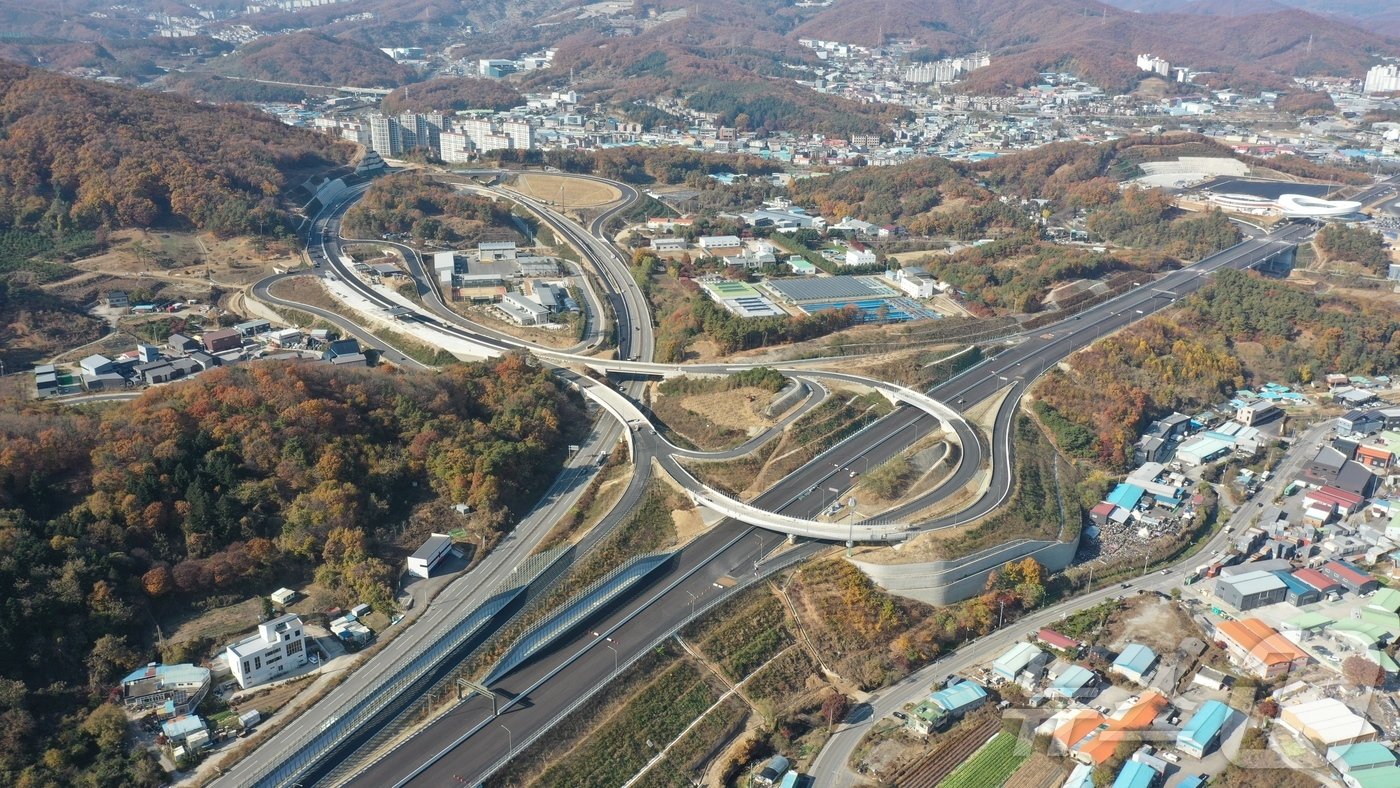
{"x": 1151, "y": 620}
{"x": 197, "y": 257}
{"x": 572, "y": 192}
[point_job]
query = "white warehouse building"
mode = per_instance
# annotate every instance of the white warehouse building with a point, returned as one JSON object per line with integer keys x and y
{"x": 421, "y": 563}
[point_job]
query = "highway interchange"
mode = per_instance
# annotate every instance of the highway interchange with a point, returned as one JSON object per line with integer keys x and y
{"x": 467, "y": 744}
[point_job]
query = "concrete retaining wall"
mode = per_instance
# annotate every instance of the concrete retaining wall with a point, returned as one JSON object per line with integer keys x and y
{"x": 789, "y": 396}
{"x": 946, "y": 582}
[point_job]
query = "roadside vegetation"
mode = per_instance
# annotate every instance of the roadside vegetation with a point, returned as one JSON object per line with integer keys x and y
{"x": 872, "y": 638}
{"x": 618, "y": 749}
{"x": 1349, "y": 243}
{"x": 744, "y": 633}
{"x": 684, "y": 764}
{"x": 1046, "y": 503}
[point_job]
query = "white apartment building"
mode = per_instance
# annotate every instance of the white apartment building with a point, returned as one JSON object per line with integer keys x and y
{"x": 1154, "y": 64}
{"x": 495, "y": 142}
{"x": 456, "y": 147}
{"x": 385, "y": 137}
{"x": 476, "y": 130}
{"x": 521, "y": 133}
{"x": 1384, "y": 78}
{"x": 277, "y": 648}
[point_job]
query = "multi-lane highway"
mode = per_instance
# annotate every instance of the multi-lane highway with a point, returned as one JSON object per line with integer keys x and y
{"x": 467, "y": 745}
{"x": 462, "y": 746}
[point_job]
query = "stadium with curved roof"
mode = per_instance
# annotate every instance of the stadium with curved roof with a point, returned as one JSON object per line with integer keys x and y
{"x": 1298, "y": 205}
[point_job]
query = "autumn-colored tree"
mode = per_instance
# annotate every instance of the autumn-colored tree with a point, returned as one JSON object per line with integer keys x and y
{"x": 834, "y": 707}
{"x": 1362, "y": 672}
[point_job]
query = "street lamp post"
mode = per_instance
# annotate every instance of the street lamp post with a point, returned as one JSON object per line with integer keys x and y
{"x": 510, "y": 741}
{"x": 613, "y": 650}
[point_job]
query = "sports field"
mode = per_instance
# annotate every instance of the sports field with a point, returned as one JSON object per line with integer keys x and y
{"x": 731, "y": 289}
{"x": 576, "y": 192}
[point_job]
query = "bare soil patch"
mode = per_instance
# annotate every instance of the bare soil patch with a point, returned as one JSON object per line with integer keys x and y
{"x": 307, "y": 290}
{"x": 1152, "y": 621}
{"x": 688, "y": 524}
{"x": 197, "y": 257}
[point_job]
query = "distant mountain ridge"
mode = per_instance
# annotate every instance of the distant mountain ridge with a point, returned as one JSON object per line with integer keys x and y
{"x": 1381, "y": 16}
{"x": 1100, "y": 41}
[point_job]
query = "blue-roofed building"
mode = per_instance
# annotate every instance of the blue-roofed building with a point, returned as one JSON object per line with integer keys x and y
{"x": 960, "y": 698}
{"x": 945, "y": 706}
{"x": 180, "y": 728}
{"x": 790, "y": 779}
{"x": 174, "y": 689}
{"x": 1298, "y": 593}
{"x": 1136, "y": 774}
{"x": 1201, "y": 732}
{"x": 1126, "y": 496}
{"x": 1192, "y": 781}
{"x": 1075, "y": 682}
{"x": 1022, "y": 663}
{"x": 1365, "y": 765}
{"x": 1134, "y": 663}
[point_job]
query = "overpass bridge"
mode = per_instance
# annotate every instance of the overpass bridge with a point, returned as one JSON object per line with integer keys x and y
{"x": 1039, "y": 347}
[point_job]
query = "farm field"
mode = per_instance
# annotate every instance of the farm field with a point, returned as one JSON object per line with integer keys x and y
{"x": 990, "y": 767}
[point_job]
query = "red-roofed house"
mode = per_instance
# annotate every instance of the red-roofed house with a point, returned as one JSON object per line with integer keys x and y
{"x": 1346, "y": 502}
{"x": 1374, "y": 456}
{"x": 1054, "y": 639}
{"x": 1318, "y": 580}
{"x": 1355, "y": 580}
{"x": 1099, "y": 514}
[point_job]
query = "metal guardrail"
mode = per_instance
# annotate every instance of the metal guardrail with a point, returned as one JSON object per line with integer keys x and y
{"x": 543, "y": 570}
{"x": 316, "y": 743}
{"x": 582, "y": 605}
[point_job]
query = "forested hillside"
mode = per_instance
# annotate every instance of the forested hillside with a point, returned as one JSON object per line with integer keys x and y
{"x": 724, "y": 57}
{"x": 235, "y": 482}
{"x": 413, "y": 203}
{"x": 78, "y": 155}
{"x": 1240, "y": 329}
{"x": 1354, "y": 244}
{"x": 452, "y": 94}
{"x": 309, "y": 58}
